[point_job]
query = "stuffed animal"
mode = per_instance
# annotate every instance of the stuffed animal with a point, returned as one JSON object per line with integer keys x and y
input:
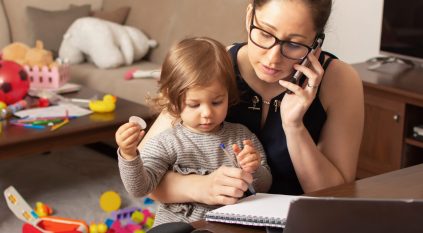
{"x": 105, "y": 43}
{"x": 24, "y": 55}
{"x": 38, "y": 56}
{"x": 15, "y": 52}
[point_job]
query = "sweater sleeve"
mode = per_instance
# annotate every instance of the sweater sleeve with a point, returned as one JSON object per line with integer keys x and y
{"x": 141, "y": 175}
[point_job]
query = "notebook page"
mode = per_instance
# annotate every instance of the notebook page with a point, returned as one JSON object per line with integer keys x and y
{"x": 259, "y": 205}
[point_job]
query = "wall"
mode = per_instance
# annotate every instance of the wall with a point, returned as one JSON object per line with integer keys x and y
{"x": 353, "y": 30}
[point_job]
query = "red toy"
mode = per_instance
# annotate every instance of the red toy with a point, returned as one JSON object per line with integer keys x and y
{"x": 14, "y": 83}
{"x": 142, "y": 74}
{"x": 56, "y": 225}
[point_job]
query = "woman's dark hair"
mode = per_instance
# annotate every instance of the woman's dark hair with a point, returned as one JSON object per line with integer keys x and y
{"x": 320, "y": 10}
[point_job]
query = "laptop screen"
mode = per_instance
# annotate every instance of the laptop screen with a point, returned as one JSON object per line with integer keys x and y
{"x": 355, "y": 215}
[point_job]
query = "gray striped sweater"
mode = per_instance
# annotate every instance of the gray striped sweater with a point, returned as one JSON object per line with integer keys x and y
{"x": 187, "y": 152}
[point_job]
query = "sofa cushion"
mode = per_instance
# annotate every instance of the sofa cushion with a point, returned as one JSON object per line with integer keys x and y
{"x": 113, "y": 4}
{"x": 118, "y": 15}
{"x": 170, "y": 21}
{"x": 112, "y": 81}
{"x": 4, "y": 28}
{"x": 18, "y": 18}
{"x": 50, "y": 26}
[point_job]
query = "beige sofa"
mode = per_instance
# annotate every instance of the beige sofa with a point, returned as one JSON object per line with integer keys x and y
{"x": 166, "y": 21}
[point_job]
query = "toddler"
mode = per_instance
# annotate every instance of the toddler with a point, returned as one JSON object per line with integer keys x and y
{"x": 197, "y": 85}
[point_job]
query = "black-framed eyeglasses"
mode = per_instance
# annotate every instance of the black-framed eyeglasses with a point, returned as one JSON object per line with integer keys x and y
{"x": 266, "y": 40}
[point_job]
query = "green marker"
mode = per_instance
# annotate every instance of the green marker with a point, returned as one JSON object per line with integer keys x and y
{"x": 46, "y": 122}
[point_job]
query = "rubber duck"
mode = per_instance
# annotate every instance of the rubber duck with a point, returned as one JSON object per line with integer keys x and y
{"x": 108, "y": 104}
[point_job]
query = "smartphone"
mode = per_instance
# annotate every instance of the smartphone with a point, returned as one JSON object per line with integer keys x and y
{"x": 295, "y": 78}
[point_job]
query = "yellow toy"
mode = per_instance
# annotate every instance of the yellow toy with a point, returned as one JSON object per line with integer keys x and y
{"x": 42, "y": 209}
{"x": 110, "y": 201}
{"x": 108, "y": 104}
{"x": 38, "y": 56}
{"x": 24, "y": 55}
{"x": 139, "y": 231}
{"x": 98, "y": 228}
{"x": 15, "y": 52}
{"x": 2, "y": 105}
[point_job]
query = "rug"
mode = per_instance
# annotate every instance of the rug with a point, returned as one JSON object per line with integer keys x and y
{"x": 70, "y": 181}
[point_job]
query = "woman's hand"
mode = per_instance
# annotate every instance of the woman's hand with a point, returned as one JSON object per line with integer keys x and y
{"x": 248, "y": 158}
{"x": 294, "y": 106}
{"x": 223, "y": 186}
{"x": 127, "y": 137}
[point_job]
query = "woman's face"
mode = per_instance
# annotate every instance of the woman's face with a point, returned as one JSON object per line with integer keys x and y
{"x": 286, "y": 20}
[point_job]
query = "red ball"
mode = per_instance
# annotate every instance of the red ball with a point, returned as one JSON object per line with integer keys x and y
{"x": 14, "y": 83}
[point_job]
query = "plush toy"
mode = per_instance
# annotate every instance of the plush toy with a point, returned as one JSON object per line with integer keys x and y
{"x": 15, "y": 52}
{"x": 38, "y": 56}
{"x": 105, "y": 43}
{"x": 24, "y": 55}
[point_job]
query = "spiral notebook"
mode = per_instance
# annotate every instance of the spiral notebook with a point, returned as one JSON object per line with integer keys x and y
{"x": 261, "y": 209}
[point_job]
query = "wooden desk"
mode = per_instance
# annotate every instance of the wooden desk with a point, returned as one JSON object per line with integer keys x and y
{"x": 16, "y": 141}
{"x": 403, "y": 183}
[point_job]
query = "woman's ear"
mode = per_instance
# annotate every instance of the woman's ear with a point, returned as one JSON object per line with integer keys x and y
{"x": 249, "y": 13}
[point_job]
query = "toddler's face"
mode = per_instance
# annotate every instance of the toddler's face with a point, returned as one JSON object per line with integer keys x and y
{"x": 205, "y": 108}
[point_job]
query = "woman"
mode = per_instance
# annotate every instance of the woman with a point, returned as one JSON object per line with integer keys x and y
{"x": 312, "y": 136}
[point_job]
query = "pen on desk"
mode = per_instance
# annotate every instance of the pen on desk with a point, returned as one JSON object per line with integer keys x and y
{"x": 54, "y": 127}
{"x": 46, "y": 122}
{"x": 38, "y": 121}
{"x": 235, "y": 164}
{"x": 28, "y": 125}
{"x": 57, "y": 118}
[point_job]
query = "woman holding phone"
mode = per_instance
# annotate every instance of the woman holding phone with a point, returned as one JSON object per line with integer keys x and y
{"x": 311, "y": 136}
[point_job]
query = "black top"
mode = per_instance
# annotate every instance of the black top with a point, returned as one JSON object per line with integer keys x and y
{"x": 248, "y": 112}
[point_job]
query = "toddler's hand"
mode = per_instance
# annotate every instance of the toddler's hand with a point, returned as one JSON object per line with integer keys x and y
{"x": 128, "y": 137}
{"x": 248, "y": 158}
{"x": 224, "y": 186}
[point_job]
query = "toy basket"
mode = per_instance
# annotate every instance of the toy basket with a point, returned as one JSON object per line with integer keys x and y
{"x": 47, "y": 78}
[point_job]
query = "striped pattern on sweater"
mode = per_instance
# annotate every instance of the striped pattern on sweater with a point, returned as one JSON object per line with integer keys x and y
{"x": 187, "y": 152}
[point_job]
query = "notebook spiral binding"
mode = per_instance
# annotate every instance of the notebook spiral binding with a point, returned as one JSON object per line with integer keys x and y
{"x": 246, "y": 220}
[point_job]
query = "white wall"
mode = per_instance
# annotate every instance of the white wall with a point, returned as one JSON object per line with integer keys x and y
{"x": 353, "y": 30}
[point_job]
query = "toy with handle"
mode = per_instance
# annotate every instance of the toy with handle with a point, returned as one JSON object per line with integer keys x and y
{"x": 36, "y": 224}
{"x": 146, "y": 74}
{"x": 19, "y": 207}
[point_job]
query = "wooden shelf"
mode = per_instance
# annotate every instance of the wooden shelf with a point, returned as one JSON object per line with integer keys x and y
{"x": 393, "y": 106}
{"x": 414, "y": 142}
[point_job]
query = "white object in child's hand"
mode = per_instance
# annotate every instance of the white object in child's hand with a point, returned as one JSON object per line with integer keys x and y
{"x": 139, "y": 121}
